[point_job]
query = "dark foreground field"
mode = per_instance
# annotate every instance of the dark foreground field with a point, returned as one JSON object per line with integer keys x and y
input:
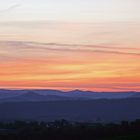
{"x": 64, "y": 130}
{"x": 105, "y": 110}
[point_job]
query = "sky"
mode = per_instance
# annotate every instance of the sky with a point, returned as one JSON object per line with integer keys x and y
{"x": 70, "y": 44}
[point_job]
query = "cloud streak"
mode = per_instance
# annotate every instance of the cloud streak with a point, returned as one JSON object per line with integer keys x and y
{"x": 12, "y": 7}
{"x": 33, "y": 64}
{"x": 35, "y": 46}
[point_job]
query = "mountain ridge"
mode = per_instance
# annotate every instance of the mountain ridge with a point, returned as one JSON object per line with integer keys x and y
{"x": 50, "y": 94}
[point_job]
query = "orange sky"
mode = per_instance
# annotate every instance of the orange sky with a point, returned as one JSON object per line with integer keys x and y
{"x": 77, "y": 44}
{"x": 26, "y": 64}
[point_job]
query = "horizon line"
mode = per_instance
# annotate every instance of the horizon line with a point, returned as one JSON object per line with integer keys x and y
{"x": 67, "y": 90}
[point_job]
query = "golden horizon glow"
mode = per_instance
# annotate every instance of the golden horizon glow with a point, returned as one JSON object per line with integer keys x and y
{"x": 69, "y": 68}
{"x": 80, "y": 44}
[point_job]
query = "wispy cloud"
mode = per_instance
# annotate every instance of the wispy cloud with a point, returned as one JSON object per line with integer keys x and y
{"x": 12, "y": 7}
{"x": 34, "y": 46}
{"x": 59, "y": 65}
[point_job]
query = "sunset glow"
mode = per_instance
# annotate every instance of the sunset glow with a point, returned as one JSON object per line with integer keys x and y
{"x": 61, "y": 48}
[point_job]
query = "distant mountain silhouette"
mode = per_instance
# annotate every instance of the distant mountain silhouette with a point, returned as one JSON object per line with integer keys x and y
{"x": 136, "y": 95}
{"x": 75, "y": 105}
{"x": 52, "y": 95}
{"x": 33, "y": 96}
{"x": 99, "y": 95}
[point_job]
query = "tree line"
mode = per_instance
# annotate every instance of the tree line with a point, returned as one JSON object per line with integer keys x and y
{"x": 65, "y": 130}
